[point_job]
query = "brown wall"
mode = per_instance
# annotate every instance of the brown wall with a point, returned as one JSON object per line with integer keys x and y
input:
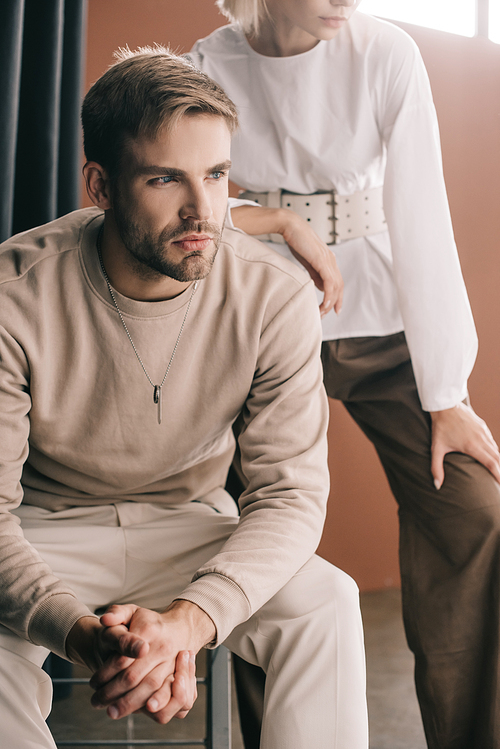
{"x": 361, "y": 530}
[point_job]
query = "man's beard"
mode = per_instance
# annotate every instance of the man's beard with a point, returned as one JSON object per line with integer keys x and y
{"x": 149, "y": 251}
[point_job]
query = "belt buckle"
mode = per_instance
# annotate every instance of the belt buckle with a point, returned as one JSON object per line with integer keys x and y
{"x": 359, "y": 214}
{"x": 317, "y": 209}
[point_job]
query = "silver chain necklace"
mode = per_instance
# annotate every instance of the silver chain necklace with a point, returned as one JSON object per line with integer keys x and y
{"x": 156, "y": 388}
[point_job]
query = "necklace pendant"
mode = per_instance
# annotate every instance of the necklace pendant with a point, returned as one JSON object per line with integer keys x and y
{"x": 157, "y": 400}
{"x": 156, "y": 388}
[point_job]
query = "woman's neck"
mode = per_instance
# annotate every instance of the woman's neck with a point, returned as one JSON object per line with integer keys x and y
{"x": 279, "y": 38}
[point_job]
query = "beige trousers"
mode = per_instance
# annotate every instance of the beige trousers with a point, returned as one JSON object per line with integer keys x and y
{"x": 308, "y": 638}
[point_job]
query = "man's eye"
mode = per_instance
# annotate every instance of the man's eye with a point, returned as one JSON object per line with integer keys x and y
{"x": 163, "y": 180}
{"x": 218, "y": 175}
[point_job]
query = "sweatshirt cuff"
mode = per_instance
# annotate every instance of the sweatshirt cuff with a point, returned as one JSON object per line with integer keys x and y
{"x": 54, "y": 619}
{"x": 223, "y": 601}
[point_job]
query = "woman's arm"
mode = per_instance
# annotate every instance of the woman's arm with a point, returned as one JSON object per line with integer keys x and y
{"x": 433, "y": 300}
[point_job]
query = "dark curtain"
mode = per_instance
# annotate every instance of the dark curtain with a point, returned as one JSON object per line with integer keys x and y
{"x": 42, "y": 49}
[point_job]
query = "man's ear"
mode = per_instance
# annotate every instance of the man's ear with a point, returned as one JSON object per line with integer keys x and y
{"x": 98, "y": 185}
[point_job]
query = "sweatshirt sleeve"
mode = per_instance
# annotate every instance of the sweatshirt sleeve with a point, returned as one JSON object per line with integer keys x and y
{"x": 33, "y": 602}
{"x": 431, "y": 292}
{"x": 284, "y": 459}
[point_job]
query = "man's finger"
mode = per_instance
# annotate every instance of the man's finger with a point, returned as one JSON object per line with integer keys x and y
{"x": 118, "y": 614}
{"x": 109, "y": 670}
{"x": 175, "y": 700}
{"x": 176, "y": 705}
{"x": 112, "y": 687}
{"x": 119, "y": 639}
{"x": 160, "y": 699}
{"x": 128, "y": 692}
{"x": 180, "y": 704}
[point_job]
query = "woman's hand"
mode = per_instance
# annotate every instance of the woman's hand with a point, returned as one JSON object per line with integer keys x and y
{"x": 304, "y": 244}
{"x": 460, "y": 430}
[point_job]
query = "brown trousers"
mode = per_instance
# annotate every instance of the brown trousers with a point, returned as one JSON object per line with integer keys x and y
{"x": 449, "y": 548}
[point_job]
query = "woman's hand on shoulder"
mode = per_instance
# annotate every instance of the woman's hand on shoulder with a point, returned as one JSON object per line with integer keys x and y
{"x": 317, "y": 259}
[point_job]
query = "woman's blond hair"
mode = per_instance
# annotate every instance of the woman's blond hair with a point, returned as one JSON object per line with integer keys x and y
{"x": 248, "y": 13}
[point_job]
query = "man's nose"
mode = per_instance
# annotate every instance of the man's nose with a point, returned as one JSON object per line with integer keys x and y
{"x": 197, "y": 204}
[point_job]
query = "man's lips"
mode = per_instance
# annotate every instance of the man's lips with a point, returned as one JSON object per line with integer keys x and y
{"x": 194, "y": 242}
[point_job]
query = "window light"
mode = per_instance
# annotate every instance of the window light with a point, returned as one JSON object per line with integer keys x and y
{"x": 494, "y": 21}
{"x": 454, "y": 16}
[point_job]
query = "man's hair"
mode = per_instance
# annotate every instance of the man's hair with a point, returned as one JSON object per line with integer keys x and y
{"x": 248, "y": 13}
{"x": 142, "y": 93}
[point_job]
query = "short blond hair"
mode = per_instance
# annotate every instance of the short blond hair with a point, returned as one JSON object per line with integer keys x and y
{"x": 248, "y": 13}
{"x": 142, "y": 93}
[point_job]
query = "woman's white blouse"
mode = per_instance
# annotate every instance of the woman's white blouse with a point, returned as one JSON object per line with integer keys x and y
{"x": 354, "y": 113}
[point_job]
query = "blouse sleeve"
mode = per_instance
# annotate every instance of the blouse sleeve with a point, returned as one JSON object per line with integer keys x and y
{"x": 431, "y": 292}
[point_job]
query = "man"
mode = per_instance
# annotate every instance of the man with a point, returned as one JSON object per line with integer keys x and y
{"x": 133, "y": 335}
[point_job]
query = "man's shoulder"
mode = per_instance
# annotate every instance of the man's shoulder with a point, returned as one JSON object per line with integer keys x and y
{"x": 257, "y": 259}
{"x": 22, "y": 252}
{"x": 258, "y": 284}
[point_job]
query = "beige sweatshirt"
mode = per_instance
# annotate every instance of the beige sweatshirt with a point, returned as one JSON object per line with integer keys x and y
{"x": 73, "y": 394}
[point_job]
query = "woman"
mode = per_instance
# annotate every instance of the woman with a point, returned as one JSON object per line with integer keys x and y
{"x": 335, "y": 102}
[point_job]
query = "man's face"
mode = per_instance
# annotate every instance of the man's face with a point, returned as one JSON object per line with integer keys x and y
{"x": 169, "y": 200}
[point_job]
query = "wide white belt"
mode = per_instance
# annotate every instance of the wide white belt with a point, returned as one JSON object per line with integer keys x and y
{"x": 335, "y": 218}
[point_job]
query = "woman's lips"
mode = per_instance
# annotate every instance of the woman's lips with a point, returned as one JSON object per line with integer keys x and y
{"x": 334, "y": 22}
{"x": 194, "y": 242}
